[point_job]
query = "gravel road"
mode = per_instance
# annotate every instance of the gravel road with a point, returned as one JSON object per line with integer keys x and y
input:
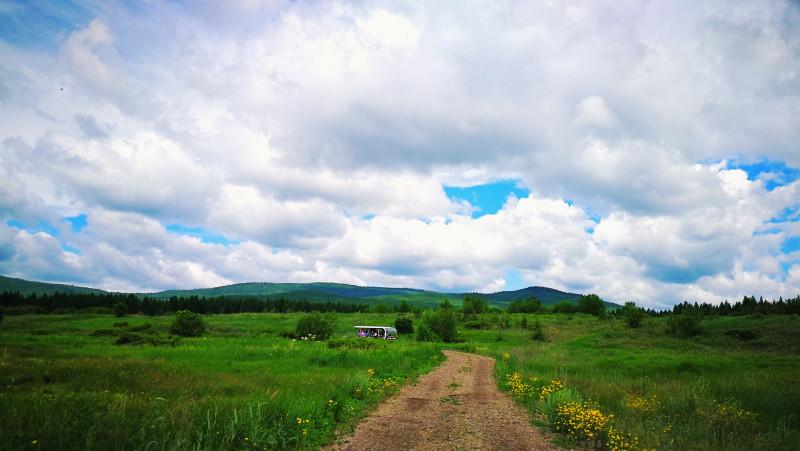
{"x": 455, "y": 407}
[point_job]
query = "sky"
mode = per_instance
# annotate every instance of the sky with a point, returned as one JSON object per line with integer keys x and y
{"x": 643, "y": 151}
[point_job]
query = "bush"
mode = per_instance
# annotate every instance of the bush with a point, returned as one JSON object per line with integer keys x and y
{"x": 564, "y": 307}
{"x": 474, "y": 304}
{"x": 684, "y": 325}
{"x": 438, "y": 326}
{"x": 530, "y": 305}
{"x": 591, "y": 304}
{"x": 187, "y": 324}
{"x": 404, "y": 325}
{"x": 315, "y": 326}
{"x": 538, "y": 332}
{"x": 120, "y": 309}
{"x": 632, "y": 315}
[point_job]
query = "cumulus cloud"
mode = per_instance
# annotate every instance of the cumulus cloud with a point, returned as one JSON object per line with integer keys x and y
{"x": 317, "y": 137}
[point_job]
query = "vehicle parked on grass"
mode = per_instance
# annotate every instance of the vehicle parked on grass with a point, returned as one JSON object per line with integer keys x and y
{"x": 382, "y": 332}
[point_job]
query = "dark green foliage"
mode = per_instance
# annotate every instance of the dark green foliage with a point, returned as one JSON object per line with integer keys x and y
{"x": 530, "y": 305}
{"x": 477, "y": 324}
{"x": 315, "y": 326}
{"x": 121, "y": 324}
{"x": 743, "y": 334}
{"x": 404, "y": 325}
{"x": 381, "y": 308}
{"x": 438, "y": 326}
{"x": 187, "y": 324}
{"x": 632, "y": 315}
{"x": 120, "y": 309}
{"x": 684, "y": 325}
{"x": 591, "y": 304}
{"x": 474, "y": 304}
{"x": 538, "y": 332}
{"x": 564, "y": 307}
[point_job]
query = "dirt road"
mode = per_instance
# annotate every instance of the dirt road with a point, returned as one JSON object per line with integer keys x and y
{"x": 457, "y": 406}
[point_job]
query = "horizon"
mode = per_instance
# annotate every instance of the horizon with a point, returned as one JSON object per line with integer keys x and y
{"x": 642, "y": 152}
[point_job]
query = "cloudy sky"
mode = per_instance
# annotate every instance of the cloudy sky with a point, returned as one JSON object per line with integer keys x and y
{"x": 644, "y": 151}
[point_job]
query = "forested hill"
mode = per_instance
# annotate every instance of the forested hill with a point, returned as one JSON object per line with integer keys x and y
{"x": 25, "y": 287}
{"x": 312, "y": 292}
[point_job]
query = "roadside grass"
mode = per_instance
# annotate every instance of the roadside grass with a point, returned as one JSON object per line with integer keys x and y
{"x": 714, "y": 391}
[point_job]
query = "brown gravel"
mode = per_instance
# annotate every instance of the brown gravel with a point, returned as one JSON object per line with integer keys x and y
{"x": 457, "y": 406}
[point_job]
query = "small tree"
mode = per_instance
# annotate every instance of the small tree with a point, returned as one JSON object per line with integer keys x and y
{"x": 564, "y": 307}
{"x": 438, "y": 326}
{"x": 538, "y": 332}
{"x": 474, "y": 304}
{"x": 632, "y": 315}
{"x": 685, "y": 325}
{"x": 530, "y": 305}
{"x": 315, "y": 326}
{"x": 591, "y": 304}
{"x": 120, "y": 309}
{"x": 404, "y": 325}
{"x": 187, "y": 324}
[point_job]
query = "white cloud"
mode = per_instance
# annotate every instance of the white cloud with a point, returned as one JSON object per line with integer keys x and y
{"x": 319, "y": 135}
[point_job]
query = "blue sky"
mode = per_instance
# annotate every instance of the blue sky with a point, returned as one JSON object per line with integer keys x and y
{"x": 148, "y": 146}
{"x": 488, "y": 198}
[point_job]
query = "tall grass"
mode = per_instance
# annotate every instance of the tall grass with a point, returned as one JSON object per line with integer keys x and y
{"x": 708, "y": 392}
{"x": 240, "y": 386}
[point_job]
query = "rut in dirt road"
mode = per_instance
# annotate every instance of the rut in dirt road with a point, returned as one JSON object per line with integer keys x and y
{"x": 457, "y": 406}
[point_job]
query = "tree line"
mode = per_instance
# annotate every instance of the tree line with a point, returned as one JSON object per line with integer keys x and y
{"x": 747, "y": 306}
{"x": 13, "y": 302}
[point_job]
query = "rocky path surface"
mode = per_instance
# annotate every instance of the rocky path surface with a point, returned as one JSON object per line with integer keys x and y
{"x": 456, "y": 407}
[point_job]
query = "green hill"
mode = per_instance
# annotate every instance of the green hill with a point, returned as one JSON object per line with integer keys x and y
{"x": 22, "y": 286}
{"x": 314, "y": 292}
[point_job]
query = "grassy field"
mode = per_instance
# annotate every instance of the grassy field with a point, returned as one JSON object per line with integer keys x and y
{"x": 714, "y": 391}
{"x": 64, "y": 384}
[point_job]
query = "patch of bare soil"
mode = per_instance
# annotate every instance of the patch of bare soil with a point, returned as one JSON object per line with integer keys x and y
{"x": 457, "y": 406}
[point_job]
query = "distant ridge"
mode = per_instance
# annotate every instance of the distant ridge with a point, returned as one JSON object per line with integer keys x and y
{"x": 22, "y": 286}
{"x": 314, "y": 292}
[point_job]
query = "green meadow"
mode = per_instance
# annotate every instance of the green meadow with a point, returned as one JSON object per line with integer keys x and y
{"x": 65, "y": 384}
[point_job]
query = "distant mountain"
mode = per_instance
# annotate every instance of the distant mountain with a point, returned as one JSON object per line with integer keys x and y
{"x": 548, "y": 296}
{"x": 315, "y": 292}
{"x": 22, "y": 286}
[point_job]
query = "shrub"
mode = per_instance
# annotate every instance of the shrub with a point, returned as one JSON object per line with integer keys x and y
{"x": 474, "y": 304}
{"x": 591, "y": 304}
{"x": 187, "y": 324}
{"x": 438, "y": 326}
{"x": 632, "y": 315}
{"x": 538, "y": 332}
{"x": 530, "y": 305}
{"x": 684, "y": 325}
{"x": 315, "y": 326}
{"x": 120, "y": 309}
{"x": 564, "y": 307}
{"x": 404, "y": 325}
{"x": 425, "y": 333}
